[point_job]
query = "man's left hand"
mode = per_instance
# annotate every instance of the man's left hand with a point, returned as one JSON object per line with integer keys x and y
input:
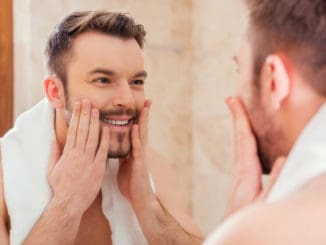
{"x": 158, "y": 225}
{"x": 133, "y": 176}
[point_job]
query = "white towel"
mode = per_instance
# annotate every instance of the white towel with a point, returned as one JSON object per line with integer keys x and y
{"x": 25, "y": 153}
{"x": 306, "y": 161}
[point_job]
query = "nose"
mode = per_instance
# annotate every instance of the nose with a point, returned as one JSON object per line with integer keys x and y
{"x": 123, "y": 96}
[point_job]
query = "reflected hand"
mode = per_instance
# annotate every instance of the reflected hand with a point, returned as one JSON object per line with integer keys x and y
{"x": 158, "y": 225}
{"x": 76, "y": 175}
{"x": 133, "y": 176}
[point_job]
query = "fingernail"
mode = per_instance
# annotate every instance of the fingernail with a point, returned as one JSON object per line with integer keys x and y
{"x": 148, "y": 103}
{"x": 95, "y": 112}
{"x": 77, "y": 105}
{"x": 229, "y": 100}
{"x": 86, "y": 104}
{"x": 105, "y": 129}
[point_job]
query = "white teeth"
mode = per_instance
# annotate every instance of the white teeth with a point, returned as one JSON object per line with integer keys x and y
{"x": 116, "y": 122}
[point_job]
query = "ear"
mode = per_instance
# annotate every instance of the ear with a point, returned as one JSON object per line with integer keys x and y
{"x": 54, "y": 91}
{"x": 277, "y": 77}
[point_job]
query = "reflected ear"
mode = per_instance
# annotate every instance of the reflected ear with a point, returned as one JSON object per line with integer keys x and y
{"x": 55, "y": 92}
{"x": 278, "y": 80}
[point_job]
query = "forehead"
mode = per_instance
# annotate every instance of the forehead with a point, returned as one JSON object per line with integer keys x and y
{"x": 95, "y": 49}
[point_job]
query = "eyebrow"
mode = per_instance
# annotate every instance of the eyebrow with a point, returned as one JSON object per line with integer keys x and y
{"x": 103, "y": 71}
{"x": 112, "y": 73}
{"x": 141, "y": 74}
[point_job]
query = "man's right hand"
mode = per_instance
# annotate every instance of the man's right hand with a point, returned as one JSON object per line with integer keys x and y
{"x": 76, "y": 175}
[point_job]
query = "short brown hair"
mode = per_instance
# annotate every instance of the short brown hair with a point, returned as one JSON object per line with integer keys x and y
{"x": 60, "y": 41}
{"x": 296, "y": 28}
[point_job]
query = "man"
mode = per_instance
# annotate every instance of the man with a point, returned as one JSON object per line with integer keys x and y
{"x": 280, "y": 112}
{"x": 96, "y": 187}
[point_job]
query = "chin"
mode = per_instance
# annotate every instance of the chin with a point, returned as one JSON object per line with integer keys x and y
{"x": 267, "y": 154}
{"x": 120, "y": 146}
{"x": 118, "y": 153}
{"x": 266, "y": 166}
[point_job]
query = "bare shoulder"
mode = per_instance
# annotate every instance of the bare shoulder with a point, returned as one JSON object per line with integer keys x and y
{"x": 4, "y": 217}
{"x": 170, "y": 190}
{"x": 304, "y": 213}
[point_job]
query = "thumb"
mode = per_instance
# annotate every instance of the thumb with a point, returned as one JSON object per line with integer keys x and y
{"x": 54, "y": 155}
{"x": 276, "y": 170}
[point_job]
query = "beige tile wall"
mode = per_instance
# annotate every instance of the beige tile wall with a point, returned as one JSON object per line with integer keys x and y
{"x": 189, "y": 51}
{"x": 216, "y": 27}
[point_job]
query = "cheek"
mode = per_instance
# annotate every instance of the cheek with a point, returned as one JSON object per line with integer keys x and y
{"x": 97, "y": 98}
{"x": 244, "y": 90}
{"x": 242, "y": 81}
{"x": 76, "y": 92}
{"x": 139, "y": 100}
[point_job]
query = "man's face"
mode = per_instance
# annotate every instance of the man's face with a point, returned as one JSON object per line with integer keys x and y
{"x": 109, "y": 72}
{"x": 265, "y": 125}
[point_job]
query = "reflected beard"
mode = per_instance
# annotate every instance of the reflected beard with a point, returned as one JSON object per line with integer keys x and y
{"x": 121, "y": 138}
{"x": 120, "y": 152}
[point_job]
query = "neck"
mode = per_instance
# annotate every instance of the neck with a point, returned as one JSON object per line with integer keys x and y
{"x": 299, "y": 115}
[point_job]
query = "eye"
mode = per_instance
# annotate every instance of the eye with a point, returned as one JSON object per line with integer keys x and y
{"x": 102, "y": 80}
{"x": 138, "y": 82}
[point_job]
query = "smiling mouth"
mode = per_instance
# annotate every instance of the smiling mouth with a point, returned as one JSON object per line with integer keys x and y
{"x": 120, "y": 123}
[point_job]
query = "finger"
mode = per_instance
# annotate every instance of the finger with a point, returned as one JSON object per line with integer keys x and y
{"x": 148, "y": 103}
{"x": 103, "y": 149}
{"x": 124, "y": 160}
{"x": 60, "y": 115}
{"x": 143, "y": 122}
{"x": 276, "y": 170}
{"x": 135, "y": 141}
{"x": 236, "y": 108}
{"x": 93, "y": 134}
{"x": 54, "y": 155}
{"x": 83, "y": 125}
{"x": 244, "y": 140}
{"x": 72, "y": 131}
{"x": 139, "y": 165}
{"x": 241, "y": 123}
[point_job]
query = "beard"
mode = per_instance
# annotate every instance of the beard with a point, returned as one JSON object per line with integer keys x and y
{"x": 267, "y": 132}
{"x": 120, "y": 142}
{"x": 265, "y": 151}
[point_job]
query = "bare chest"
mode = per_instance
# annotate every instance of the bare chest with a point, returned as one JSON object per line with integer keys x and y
{"x": 94, "y": 227}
